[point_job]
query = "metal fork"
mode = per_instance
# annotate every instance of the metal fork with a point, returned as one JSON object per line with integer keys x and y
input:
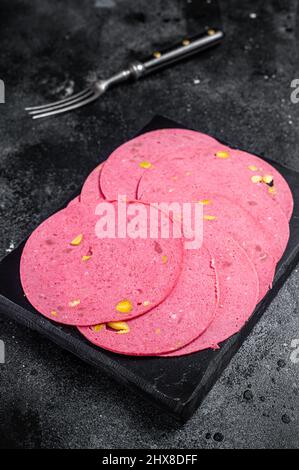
{"x": 135, "y": 70}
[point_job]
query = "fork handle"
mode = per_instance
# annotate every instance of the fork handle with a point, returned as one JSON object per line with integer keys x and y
{"x": 185, "y": 49}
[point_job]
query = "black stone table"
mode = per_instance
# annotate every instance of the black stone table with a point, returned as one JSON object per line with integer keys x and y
{"x": 240, "y": 93}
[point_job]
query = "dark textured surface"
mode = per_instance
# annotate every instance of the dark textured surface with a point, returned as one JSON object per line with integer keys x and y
{"x": 179, "y": 385}
{"x": 47, "y": 397}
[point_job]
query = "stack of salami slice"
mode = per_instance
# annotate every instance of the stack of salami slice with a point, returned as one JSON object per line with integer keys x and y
{"x": 151, "y": 295}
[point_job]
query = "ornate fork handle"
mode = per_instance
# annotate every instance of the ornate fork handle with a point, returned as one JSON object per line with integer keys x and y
{"x": 161, "y": 59}
{"x": 187, "y": 48}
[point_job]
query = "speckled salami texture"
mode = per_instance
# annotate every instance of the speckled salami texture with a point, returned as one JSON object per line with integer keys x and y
{"x": 184, "y": 315}
{"x": 185, "y": 175}
{"x": 83, "y": 283}
{"x": 91, "y": 192}
{"x": 238, "y": 286}
{"x": 123, "y": 169}
{"x": 125, "y": 166}
{"x": 229, "y": 218}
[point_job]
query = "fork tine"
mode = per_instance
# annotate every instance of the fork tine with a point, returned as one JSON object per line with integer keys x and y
{"x": 61, "y": 104}
{"x": 67, "y": 108}
{"x": 77, "y": 95}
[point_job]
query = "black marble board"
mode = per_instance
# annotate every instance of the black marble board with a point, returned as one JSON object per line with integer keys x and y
{"x": 177, "y": 385}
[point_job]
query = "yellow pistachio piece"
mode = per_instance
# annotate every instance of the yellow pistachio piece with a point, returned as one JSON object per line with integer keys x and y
{"x": 211, "y": 32}
{"x": 77, "y": 240}
{"x": 268, "y": 179}
{"x": 222, "y": 154}
{"x": 204, "y": 202}
{"x": 120, "y": 326}
{"x": 186, "y": 42}
{"x": 164, "y": 259}
{"x": 256, "y": 178}
{"x": 272, "y": 190}
{"x": 98, "y": 328}
{"x": 158, "y": 331}
{"x": 86, "y": 257}
{"x": 54, "y": 313}
{"x": 157, "y": 54}
{"x": 145, "y": 164}
{"x": 209, "y": 217}
{"x": 146, "y": 303}
{"x": 74, "y": 303}
{"x": 252, "y": 168}
{"x": 124, "y": 306}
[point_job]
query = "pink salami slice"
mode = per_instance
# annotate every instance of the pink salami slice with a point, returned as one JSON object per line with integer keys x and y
{"x": 127, "y": 163}
{"x": 91, "y": 192}
{"x": 277, "y": 187}
{"x": 238, "y": 293}
{"x": 180, "y": 176}
{"x": 184, "y": 314}
{"x": 227, "y": 217}
{"x": 125, "y": 166}
{"x": 249, "y": 166}
{"x": 71, "y": 276}
{"x": 272, "y": 183}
